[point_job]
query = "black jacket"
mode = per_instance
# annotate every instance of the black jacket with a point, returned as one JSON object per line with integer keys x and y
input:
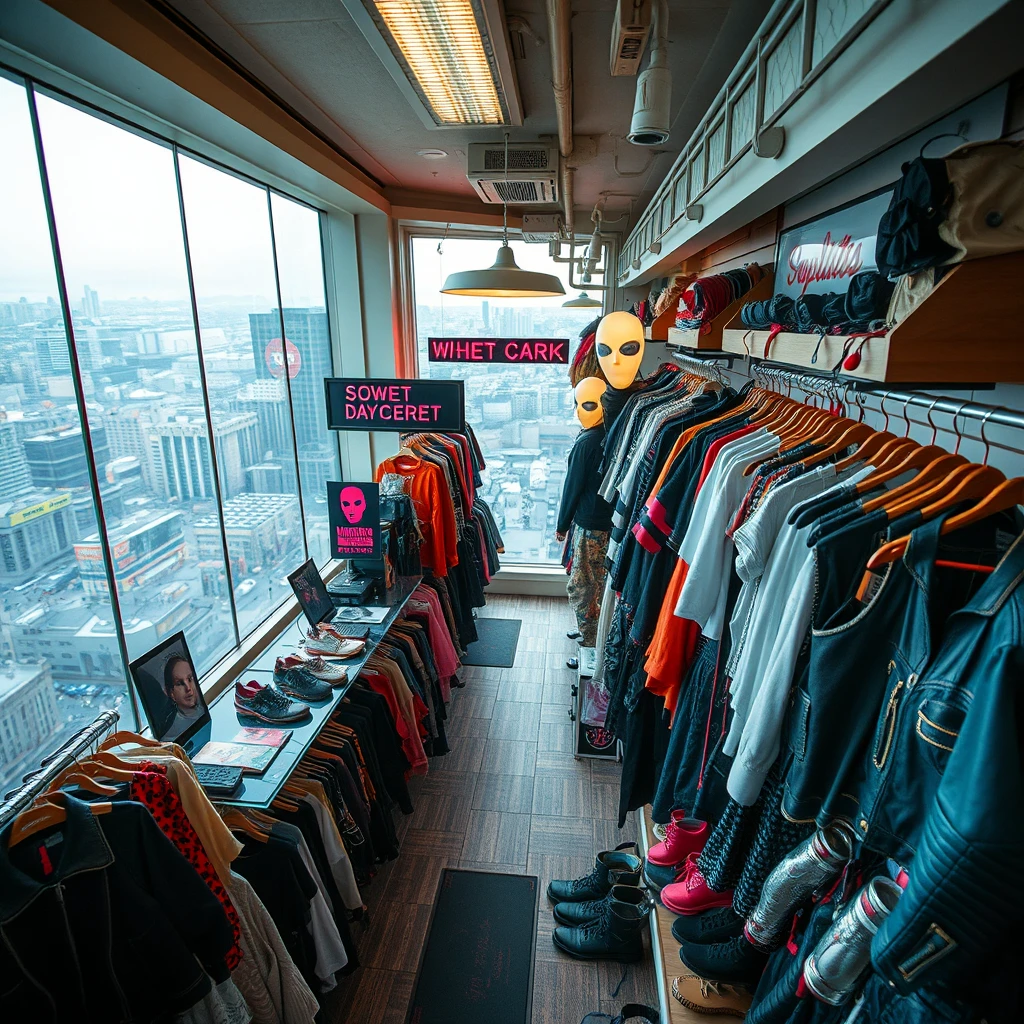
{"x": 581, "y": 504}
{"x": 102, "y": 920}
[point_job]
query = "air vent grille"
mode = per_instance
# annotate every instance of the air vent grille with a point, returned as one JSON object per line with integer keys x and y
{"x": 517, "y": 191}
{"x": 518, "y": 159}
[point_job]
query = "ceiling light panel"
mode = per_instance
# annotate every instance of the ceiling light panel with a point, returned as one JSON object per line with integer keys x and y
{"x": 454, "y": 55}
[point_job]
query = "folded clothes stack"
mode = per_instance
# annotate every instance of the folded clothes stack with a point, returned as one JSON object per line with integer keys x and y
{"x": 706, "y": 297}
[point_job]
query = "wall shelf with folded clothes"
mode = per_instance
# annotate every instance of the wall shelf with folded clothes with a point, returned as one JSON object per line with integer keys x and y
{"x": 708, "y": 334}
{"x": 659, "y": 328}
{"x": 966, "y": 328}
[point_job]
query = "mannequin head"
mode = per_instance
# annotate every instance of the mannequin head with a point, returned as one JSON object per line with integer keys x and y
{"x": 620, "y": 348}
{"x": 587, "y": 395}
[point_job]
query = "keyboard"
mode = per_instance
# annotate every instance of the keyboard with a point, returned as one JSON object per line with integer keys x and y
{"x": 355, "y": 632}
{"x": 219, "y": 779}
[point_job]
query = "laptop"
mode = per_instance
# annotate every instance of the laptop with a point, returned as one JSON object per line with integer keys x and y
{"x": 318, "y": 605}
{"x": 167, "y": 683}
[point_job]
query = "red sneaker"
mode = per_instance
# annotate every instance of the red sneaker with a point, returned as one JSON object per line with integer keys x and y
{"x": 691, "y": 894}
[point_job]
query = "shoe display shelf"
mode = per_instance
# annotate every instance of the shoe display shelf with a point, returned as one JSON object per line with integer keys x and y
{"x": 966, "y": 330}
{"x": 664, "y": 947}
{"x": 260, "y": 791}
{"x": 709, "y": 336}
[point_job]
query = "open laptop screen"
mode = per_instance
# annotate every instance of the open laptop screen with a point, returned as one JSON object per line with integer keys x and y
{"x": 311, "y": 591}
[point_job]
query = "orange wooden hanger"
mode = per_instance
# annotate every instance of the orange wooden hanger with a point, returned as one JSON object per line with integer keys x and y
{"x": 855, "y": 433}
{"x": 876, "y": 448}
{"x": 905, "y": 498}
{"x": 900, "y": 462}
{"x": 1004, "y": 495}
{"x": 44, "y": 813}
{"x": 124, "y": 737}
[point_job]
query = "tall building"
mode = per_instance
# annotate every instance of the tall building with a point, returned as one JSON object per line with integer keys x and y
{"x": 28, "y": 710}
{"x": 35, "y": 531}
{"x": 144, "y": 547}
{"x": 180, "y": 450}
{"x": 56, "y": 458}
{"x": 15, "y": 476}
{"x": 260, "y": 528}
{"x": 268, "y": 399}
{"x": 91, "y": 302}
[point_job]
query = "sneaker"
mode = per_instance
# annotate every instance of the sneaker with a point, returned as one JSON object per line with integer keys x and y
{"x": 711, "y": 926}
{"x": 336, "y": 675}
{"x": 691, "y": 894}
{"x": 299, "y": 682}
{"x": 735, "y": 961}
{"x": 330, "y": 645}
{"x": 683, "y": 836}
{"x": 711, "y": 997}
{"x": 267, "y": 704}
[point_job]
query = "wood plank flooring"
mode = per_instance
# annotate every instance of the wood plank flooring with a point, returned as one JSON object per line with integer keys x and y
{"x": 509, "y": 797}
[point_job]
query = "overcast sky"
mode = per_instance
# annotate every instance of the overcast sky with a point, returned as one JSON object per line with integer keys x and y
{"x": 118, "y": 221}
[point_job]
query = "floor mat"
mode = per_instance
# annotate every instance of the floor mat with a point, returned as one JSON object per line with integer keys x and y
{"x": 477, "y": 964}
{"x": 496, "y": 643}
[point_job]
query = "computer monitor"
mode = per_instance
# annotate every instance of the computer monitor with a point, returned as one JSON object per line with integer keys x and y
{"x": 168, "y": 686}
{"x": 311, "y": 591}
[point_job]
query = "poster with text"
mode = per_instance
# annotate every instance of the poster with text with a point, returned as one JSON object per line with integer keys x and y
{"x": 354, "y": 511}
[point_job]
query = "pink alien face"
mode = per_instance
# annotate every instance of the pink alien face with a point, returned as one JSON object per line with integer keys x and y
{"x": 353, "y": 504}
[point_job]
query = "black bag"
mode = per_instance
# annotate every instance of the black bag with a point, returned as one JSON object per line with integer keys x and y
{"x": 908, "y": 233}
{"x": 867, "y": 298}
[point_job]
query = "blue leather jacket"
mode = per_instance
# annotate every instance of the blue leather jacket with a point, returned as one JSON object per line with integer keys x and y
{"x": 965, "y": 899}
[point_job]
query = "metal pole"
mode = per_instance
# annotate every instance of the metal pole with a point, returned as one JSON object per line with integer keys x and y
{"x": 76, "y": 378}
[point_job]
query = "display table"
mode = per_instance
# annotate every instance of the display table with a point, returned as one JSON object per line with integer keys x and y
{"x": 260, "y": 791}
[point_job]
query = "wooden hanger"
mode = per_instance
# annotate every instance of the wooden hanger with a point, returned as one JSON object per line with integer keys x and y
{"x": 46, "y": 812}
{"x": 943, "y": 490}
{"x": 899, "y": 462}
{"x": 88, "y": 783}
{"x": 878, "y": 445}
{"x": 855, "y": 433}
{"x": 1005, "y": 496}
{"x": 237, "y": 821}
{"x": 124, "y": 736}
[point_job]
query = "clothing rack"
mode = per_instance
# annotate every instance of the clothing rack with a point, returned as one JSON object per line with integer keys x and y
{"x": 52, "y": 765}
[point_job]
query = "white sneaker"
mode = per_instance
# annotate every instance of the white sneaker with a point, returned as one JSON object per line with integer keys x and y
{"x": 328, "y": 645}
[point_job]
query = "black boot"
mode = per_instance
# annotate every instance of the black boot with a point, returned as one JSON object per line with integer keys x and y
{"x": 617, "y": 934}
{"x": 595, "y": 886}
{"x": 736, "y": 961}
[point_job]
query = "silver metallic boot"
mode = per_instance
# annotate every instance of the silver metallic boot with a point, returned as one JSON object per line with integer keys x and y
{"x": 834, "y": 969}
{"x": 802, "y": 871}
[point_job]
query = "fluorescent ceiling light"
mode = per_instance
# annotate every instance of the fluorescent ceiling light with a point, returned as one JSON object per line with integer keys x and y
{"x": 453, "y": 54}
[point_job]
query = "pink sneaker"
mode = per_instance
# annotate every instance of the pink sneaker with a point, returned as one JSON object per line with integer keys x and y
{"x": 683, "y": 836}
{"x": 690, "y": 894}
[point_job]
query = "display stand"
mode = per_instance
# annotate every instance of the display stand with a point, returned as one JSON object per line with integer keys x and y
{"x": 661, "y": 328}
{"x": 709, "y": 337}
{"x": 664, "y": 947}
{"x": 260, "y": 791}
{"x": 966, "y": 330}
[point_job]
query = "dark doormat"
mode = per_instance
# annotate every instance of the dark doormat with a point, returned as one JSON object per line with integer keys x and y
{"x": 477, "y": 965}
{"x": 496, "y": 642}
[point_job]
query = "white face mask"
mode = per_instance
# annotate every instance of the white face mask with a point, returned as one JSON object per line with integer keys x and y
{"x": 587, "y": 395}
{"x": 620, "y": 348}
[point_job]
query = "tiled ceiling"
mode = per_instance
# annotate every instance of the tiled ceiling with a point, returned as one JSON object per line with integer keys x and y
{"x": 311, "y": 54}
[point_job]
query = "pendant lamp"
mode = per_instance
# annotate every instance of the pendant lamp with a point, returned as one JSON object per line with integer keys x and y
{"x": 504, "y": 279}
{"x": 582, "y": 301}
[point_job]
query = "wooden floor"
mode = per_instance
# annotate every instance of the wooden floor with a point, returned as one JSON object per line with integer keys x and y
{"x": 509, "y": 797}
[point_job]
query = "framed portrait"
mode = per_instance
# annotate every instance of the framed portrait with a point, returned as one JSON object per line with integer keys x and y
{"x": 167, "y": 683}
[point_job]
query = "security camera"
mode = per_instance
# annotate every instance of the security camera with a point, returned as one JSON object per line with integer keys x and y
{"x": 652, "y": 120}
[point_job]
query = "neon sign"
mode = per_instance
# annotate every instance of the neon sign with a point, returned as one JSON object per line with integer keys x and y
{"x": 360, "y": 403}
{"x": 515, "y": 351}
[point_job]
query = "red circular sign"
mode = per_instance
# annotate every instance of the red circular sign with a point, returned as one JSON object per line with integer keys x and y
{"x": 275, "y": 361}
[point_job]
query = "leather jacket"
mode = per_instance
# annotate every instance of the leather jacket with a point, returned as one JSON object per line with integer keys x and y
{"x": 965, "y": 899}
{"x": 102, "y": 920}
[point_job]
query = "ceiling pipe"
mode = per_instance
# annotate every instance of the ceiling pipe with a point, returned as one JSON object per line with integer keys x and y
{"x": 560, "y": 38}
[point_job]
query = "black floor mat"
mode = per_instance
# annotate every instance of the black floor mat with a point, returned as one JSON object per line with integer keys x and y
{"x": 477, "y": 965}
{"x": 496, "y": 642}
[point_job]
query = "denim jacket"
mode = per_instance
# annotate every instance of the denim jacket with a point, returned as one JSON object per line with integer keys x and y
{"x": 965, "y": 898}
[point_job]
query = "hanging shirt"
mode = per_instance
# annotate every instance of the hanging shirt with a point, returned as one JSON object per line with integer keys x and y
{"x": 581, "y": 503}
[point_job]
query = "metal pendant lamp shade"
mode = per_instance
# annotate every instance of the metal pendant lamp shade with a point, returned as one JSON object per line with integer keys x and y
{"x": 582, "y": 301}
{"x": 504, "y": 280}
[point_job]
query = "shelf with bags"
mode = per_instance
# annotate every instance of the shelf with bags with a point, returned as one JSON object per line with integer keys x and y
{"x": 709, "y": 336}
{"x": 966, "y": 329}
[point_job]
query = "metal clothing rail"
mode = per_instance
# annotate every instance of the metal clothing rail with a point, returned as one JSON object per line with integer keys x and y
{"x": 55, "y": 763}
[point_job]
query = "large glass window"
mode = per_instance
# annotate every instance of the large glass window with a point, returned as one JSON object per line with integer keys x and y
{"x": 522, "y": 415}
{"x": 115, "y": 203}
{"x": 300, "y": 269}
{"x": 200, "y": 354}
{"x": 230, "y": 244}
{"x": 60, "y": 658}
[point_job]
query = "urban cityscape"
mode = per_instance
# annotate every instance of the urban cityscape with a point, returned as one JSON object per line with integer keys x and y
{"x": 522, "y": 415}
{"x": 158, "y": 491}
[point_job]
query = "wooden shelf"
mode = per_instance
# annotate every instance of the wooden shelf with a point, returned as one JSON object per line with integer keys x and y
{"x": 667, "y": 964}
{"x": 659, "y": 330}
{"x": 711, "y": 339}
{"x": 968, "y": 329}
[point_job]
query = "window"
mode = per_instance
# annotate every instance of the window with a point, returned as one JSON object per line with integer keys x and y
{"x": 523, "y": 416}
{"x": 45, "y": 505}
{"x": 201, "y": 441}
